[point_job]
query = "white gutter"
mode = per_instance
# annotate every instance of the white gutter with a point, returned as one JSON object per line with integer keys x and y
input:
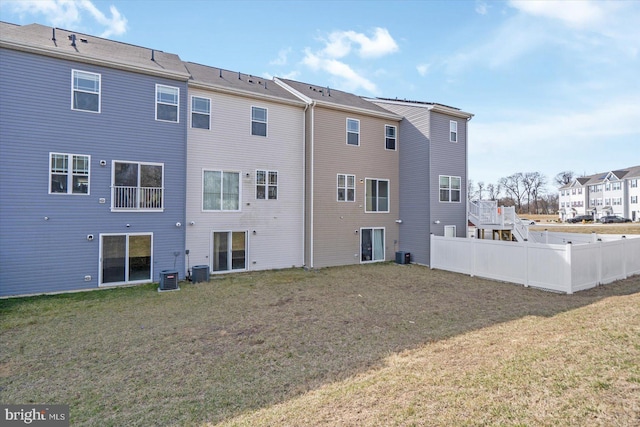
{"x": 246, "y": 93}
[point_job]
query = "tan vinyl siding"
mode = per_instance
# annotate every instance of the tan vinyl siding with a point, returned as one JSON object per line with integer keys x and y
{"x": 229, "y": 146}
{"x": 335, "y": 223}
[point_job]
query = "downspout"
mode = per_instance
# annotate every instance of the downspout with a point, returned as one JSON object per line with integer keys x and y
{"x": 304, "y": 177}
{"x": 311, "y": 187}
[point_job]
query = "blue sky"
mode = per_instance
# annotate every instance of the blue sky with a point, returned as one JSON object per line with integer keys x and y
{"x": 554, "y": 85}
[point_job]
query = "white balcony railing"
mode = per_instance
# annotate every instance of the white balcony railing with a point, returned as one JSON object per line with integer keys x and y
{"x": 137, "y": 198}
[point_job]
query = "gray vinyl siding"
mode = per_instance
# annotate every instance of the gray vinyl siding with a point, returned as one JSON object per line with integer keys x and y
{"x": 336, "y": 225}
{"x": 229, "y": 146}
{"x": 448, "y": 158}
{"x": 38, "y": 255}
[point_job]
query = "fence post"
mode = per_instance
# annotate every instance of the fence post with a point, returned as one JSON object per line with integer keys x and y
{"x": 431, "y": 251}
{"x": 526, "y": 263}
{"x": 567, "y": 276}
{"x": 624, "y": 257}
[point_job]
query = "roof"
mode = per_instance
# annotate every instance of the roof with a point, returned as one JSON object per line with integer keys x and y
{"x": 598, "y": 178}
{"x": 332, "y": 98}
{"x": 217, "y": 79}
{"x": 74, "y": 46}
{"x": 431, "y": 106}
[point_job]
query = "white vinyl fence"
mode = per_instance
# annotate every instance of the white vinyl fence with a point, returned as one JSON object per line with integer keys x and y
{"x": 563, "y": 267}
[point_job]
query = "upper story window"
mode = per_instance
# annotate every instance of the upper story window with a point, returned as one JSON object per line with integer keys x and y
{"x": 68, "y": 173}
{"x": 634, "y": 183}
{"x": 85, "y": 92}
{"x": 453, "y": 131}
{"x": 377, "y": 195}
{"x": 353, "y": 132}
{"x": 346, "y": 188}
{"x": 266, "y": 185}
{"x": 616, "y": 185}
{"x": 450, "y": 188}
{"x": 137, "y": 186}
{"x": 220, "y": 191}
{"x": 390, "y": 137}
{"x": 634, "y": 199}
{"x": 200, "y": 112}
{"x": 258, "y": 121}
{"x": 167, "y": 103}
{"x": 579, "y": 190}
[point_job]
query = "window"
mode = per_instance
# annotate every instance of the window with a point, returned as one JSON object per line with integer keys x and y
{"x": 453, "y": 131}
{"x": 592, "y": 202}
{"x": 616, "y": 185}
{"x": 450, "y": 188}
{"x": 221, "y": 191}
{"x": 607, "y": 187}
{"x": 85, "y": 91}
{"x": 617, "y": 201}
{"x": 353, "y": 132}
{"x": 126, "y": 258}
{"x": 573, "y": 191}
{"x": 607, "y": 202}
{"x": 229, "y": 251}
{"x": 266, "y": 185}
{"x": 634, "y": 199}
{"x": 371, "y": 244}
{"x": 167, "y": 103}
{"x": 258, "y": 121}
{"x": 579, "y": 190}
{"x": 137, "y": 186}
{"x": 634, "y": 183}
{"x": 200, "y": 112}
{"x": 390, "y": 137}
{"x": 377, "y": 195}
{"x": 69, "y": 173}
{"x": 346, "y": 188}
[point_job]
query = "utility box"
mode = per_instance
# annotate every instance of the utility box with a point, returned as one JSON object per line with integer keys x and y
{"x": 200, "y": 273}
{"x": 168, "y": 281}
{"x": 403, "y": 257}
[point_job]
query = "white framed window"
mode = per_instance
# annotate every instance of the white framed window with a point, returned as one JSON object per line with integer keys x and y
{"x": 220, "y": 190}
{"x": 353, "y": 132}
{"x": 258, "y": 121}
{"x": 634, "y": 183}
{"x": 453, "y": 131}
{"x": 376, "y": 195}
{"x": 85, "y": 91}
{"x": 266, "y": 185}
{"x": 167, "y": 103}
{"x": 346, "y": 188}
{"x": 450, "y": 188}
{"x": 634, "y": 199}
{"x": 372, "y": 244}
{"x": 228, "y": 251}
{"x": 200, "y": 112}
{"x": 126, "y": 258}
{"x": 390, "y": 137}
{"x": 616, "y": 185}
{"x": 449, "y": 231}
{"x": 137, "y": 186}
{"x": 617, "y": 201}
{"x": 69, "y": 173}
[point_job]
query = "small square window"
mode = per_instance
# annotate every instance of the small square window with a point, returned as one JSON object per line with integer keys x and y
{"x": 353, "y": 132}
{"x": 266, "y": 185}
{"x": 69, "y": 173}
{"x": 258, "y": 121}
{"x": 346, "y": 188}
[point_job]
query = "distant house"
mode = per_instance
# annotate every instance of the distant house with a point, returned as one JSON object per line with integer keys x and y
{"x": 93, "y": 146}
{"x": 607, "y": 193}
{"x": 433, "y": 173}
{"x": 352, "y": 186}
{"x": 245, "y": 179}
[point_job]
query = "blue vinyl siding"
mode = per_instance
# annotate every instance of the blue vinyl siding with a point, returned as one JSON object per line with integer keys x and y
{"x": 38, "y": 255}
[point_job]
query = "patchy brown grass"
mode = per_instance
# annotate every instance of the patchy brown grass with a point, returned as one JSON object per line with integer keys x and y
{"x": 623, "y": 228}
{"x": 364, "y": 345}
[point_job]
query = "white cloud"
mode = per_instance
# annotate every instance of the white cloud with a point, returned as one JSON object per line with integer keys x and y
{"x": 578, "y": 14}
{"x": 481, "y": 8}
{"x": 282, "y": 58}
{"x": 340, "y": 45}
{"x": 70, "y": 13}
{"x": 423, "y": 69}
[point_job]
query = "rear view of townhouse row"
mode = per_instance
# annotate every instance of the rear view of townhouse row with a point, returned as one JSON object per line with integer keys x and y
{"x": 123, "y": 162}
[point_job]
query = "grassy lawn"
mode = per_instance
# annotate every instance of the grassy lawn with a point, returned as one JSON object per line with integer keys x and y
{"x": 374, "y": 345}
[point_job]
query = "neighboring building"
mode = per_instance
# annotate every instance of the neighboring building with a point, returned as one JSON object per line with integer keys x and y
{"x": 352, "y": 185}
{"x": 93, "y": 137}
{"x": 433, "y": 173}
{"x": 608, "y": 193}
{"x": 245, "y": 176}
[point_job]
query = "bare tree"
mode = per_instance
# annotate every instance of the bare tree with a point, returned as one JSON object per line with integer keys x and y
{"x": 514, "y": 187}
{"x": 494, "y": 191}
{"x": 564, "y": 178}
{"x": 471, "y": 191}
{"x": 481, "y": 188}
{"x": 533, "y": 183}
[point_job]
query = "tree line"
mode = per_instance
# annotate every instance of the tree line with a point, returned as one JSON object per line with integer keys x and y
{"x": 527, "y": 191}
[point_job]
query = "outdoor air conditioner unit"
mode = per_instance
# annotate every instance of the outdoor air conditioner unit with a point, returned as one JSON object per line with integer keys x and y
{"x": 168, "y": 281}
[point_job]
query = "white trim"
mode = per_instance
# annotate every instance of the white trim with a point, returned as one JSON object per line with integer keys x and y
{"x": 177, "y": 104}
{"x": 346, "y": 187}
{"x": 449, "y": 188}
{"x": 70, "y": 174}
{"x": 266, "y": 184}
{"x": 378, "y": 195}
{"x": 222, "y": 171}
{"x": 137, "y": 209}
{"x": 348, "y": 131}
{"x": 266, "y": 122}
{"x": 453, "y": 130}
{"x": 229, "y": 251}
{"x": 449, "y": 227}
{"x": 191, "y": 113}
{"x": 395, "y": 138}
{"x": 384, "y": 244}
